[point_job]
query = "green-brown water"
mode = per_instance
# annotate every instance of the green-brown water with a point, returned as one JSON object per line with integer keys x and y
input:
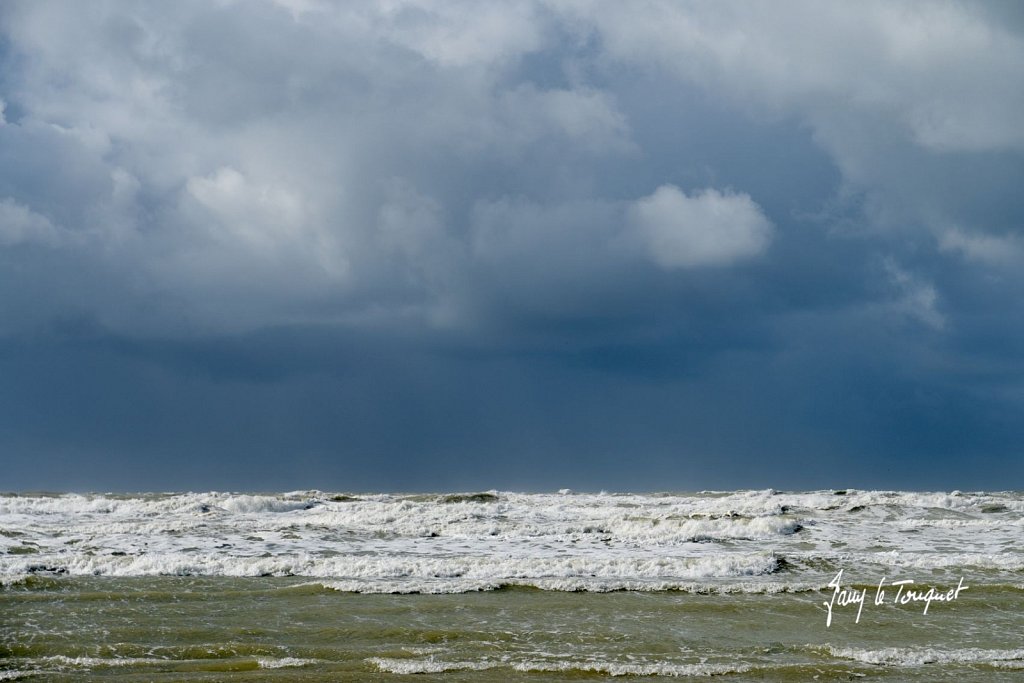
{"x": 280, "y": 629}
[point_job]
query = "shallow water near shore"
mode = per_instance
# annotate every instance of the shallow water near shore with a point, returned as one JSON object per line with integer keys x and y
{"x": 316, "y": 586}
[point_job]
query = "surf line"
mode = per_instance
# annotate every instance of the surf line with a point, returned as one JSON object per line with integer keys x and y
{"x": 844, "y": 597}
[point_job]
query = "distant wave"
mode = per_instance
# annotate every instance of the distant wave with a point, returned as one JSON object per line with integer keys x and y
{"x": 385, "y": 567}
{"x": 917, "y": 656}
{"x": 432, "y": 665}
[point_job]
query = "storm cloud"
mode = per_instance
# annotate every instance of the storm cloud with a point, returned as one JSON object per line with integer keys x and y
{"x": 428, "y": 245}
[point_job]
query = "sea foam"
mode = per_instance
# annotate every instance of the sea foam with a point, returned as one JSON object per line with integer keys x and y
{"x": 487, "y": 540}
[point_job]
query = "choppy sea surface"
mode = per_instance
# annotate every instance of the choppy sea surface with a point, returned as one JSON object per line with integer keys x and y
{"x": 497, "y": 586}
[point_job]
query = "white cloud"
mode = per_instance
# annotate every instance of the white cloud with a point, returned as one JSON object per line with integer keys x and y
{"x": 242, "y": 234}
{"x": 986, "y": 249}
{"x": 262, "y": 217}
{"x": 463, "y": 34}
{"x": 940, "y": 69}
{"x": 21, "y": 225}
{"x": 915, "y": 298}
{"x": 708, "y": 228}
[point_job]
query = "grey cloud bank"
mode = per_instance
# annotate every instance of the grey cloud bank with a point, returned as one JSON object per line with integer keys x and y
{"x": 423, "y": 245}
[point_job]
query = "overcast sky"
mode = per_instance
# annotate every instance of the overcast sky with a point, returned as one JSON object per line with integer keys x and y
{"x": 517, "y": 245}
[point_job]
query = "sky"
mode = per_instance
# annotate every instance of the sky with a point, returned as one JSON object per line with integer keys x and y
{"x": 440, "y": 245}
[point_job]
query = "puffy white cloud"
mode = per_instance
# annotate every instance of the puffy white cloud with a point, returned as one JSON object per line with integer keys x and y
{"x": 264, "y": 219}
{"x": 707, "y": 228}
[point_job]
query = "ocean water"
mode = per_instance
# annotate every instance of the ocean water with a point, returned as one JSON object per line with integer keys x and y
{"x": 497, "y": 586}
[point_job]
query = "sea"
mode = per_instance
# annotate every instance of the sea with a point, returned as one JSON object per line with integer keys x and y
{"x": 755, "y": 585}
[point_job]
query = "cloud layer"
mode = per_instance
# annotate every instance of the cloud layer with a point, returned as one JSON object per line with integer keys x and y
{"x": 579, "y": 231}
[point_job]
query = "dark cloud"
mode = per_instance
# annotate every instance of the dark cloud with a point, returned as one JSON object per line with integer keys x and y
{"x": 434, "y": 245}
